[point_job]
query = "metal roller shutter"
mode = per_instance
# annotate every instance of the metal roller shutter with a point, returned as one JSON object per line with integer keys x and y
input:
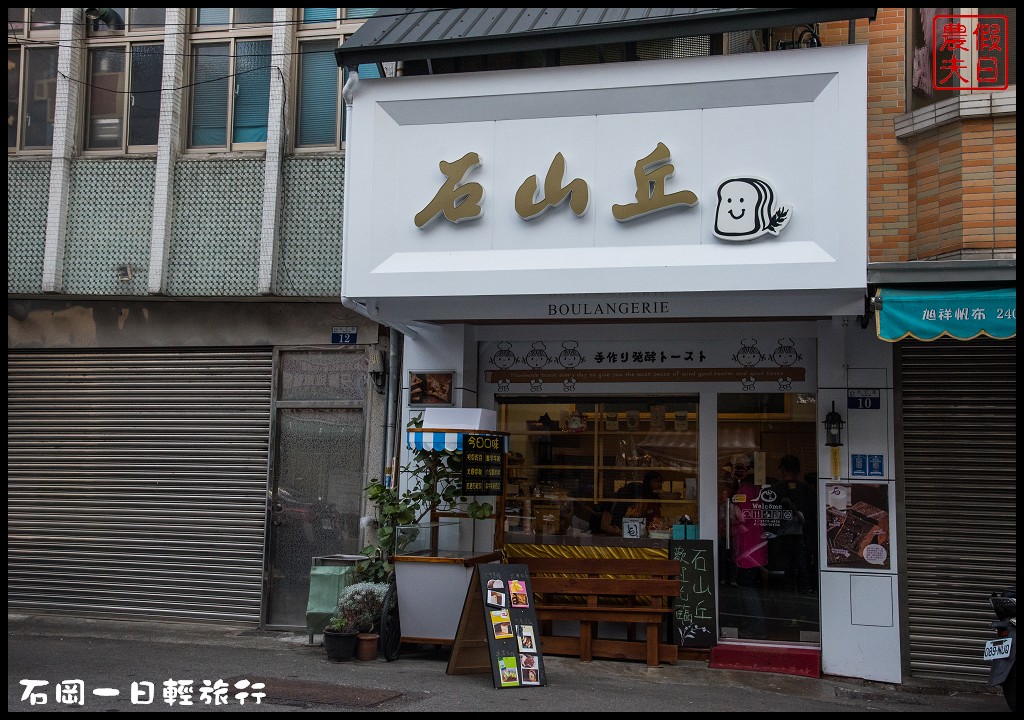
{"x": 959, "y": 415}
{"x": 137, "y": 482}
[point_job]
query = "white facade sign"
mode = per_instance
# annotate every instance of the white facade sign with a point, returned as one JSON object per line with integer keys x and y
{"x": 723, "y": 174}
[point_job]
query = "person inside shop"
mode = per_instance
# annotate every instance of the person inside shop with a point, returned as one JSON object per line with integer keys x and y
{"x": 581, "y": 518}
{"x": 626, "y": 505}
{"x": 749, "y": 545}
{"x": 797, "y": 503}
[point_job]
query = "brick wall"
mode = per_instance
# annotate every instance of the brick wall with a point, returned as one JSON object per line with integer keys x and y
{"x": 948, "y": 192}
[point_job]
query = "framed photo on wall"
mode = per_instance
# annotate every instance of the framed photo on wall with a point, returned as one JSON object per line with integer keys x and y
{"x": 431, "y": 388}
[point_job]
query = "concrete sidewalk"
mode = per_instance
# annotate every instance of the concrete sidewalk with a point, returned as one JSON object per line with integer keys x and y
{"x": 114, "y": 654}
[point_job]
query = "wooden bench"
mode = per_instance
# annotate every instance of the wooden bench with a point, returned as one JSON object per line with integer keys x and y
{"x": 612, "y": 590}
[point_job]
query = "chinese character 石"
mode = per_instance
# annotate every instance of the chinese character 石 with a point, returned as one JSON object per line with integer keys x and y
{"x": 34, "y": 698}
{"x": 555, "y": 194}
{"x": 456, "y": 202}
{"x": 650, "y": 173}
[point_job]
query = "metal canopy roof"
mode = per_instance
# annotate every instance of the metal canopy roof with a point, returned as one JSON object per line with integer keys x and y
{"x": 402, "y": 34}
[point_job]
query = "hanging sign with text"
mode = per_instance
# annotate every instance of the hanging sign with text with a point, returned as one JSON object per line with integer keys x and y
{"x": 483, "y": 470}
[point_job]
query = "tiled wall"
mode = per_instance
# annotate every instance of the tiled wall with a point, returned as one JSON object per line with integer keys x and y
{"x": 215, "y": 231}
{"x": 27, "y": 191}
{"x": 309, "y": 259}
{"x": 110, "y": 213}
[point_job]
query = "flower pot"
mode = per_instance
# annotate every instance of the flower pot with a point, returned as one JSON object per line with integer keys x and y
{"x": 340, "y": 644}
{"x": 366, "y": 646}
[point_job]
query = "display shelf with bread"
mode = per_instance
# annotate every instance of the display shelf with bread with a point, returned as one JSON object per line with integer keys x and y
{"x": 572, "y": 462}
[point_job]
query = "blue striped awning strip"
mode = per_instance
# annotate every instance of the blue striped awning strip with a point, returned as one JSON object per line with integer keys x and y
{"x": 442, "y": 440}
{"x": 432, "y": 440}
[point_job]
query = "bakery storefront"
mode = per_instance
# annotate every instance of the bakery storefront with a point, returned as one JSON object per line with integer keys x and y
{"x": 663, "y": 310}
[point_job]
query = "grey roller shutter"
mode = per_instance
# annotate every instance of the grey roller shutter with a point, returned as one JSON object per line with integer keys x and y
{"x": 137, "y": 482}
{"x": 959, "y": 417}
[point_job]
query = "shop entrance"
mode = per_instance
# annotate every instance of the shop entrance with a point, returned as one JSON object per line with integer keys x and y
{"x": 767, "y": 517}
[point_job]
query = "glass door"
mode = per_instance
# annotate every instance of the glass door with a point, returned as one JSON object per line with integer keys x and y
{"x": 767, "y": 517}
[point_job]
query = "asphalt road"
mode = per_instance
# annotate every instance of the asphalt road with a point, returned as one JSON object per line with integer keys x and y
{"x": 297, "y": 677}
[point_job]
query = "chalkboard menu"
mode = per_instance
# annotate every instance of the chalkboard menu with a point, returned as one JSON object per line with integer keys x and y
{"x": 499, "y": 615}
{"x": 694, "y": 609}
{"x": 482, "y": 467}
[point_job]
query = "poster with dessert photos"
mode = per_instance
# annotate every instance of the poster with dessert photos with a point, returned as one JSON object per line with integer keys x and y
{"x": 512, "y": 629}
{"x": 857, "y": 525}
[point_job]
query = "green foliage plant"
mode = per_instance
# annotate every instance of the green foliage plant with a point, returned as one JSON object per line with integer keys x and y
{"x": 433, "y": 481}
{"x": 337, "y": 623}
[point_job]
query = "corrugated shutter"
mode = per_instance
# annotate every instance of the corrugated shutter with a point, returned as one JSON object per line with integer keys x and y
{"x": 137, "y": 482}
{"x": 959, "y": 415}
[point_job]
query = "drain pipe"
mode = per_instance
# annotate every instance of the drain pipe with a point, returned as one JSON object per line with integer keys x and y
{"x": 394, "y": 397}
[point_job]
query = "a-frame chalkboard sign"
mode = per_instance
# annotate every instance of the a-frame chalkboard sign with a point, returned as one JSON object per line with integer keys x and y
{"x": 498, "y": 629}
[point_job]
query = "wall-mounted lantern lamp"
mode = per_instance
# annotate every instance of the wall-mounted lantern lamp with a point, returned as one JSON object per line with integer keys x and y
{"x": 833, "y": 428}
{"x": 378, "y": 369}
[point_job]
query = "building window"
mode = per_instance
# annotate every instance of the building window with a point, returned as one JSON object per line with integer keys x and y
{"x": 318, "y": 94}
{"x": 124, "y": 96}
{"x": 33, "y": 22}
{"x": 117, "y": 21}
{"x": 334, "y": 16}
{"x": 230, "y": 78}
{"x": 31, "y": 97}
{"x": 124, "y": 64}
{"x": 32, "y": 35}
{"x": 319, "y": 113}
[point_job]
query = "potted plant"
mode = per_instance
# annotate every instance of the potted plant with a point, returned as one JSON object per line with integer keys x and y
{"x": 360, "y": 604}
{"x": 339, "y": 638}
{"x": 432, "y": 482}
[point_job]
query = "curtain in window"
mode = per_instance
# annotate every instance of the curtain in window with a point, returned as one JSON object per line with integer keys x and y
{"x": 144, "y": 103}
{"x": 252, "y": 91}
{"x": 356, "y": 13}
{"x": 318, "y": 93}
{"x": 211, "y": 16}
{"x": 368, "y": 71}
{"x": 318, "y": 15}
{"x": 210, "y": 96}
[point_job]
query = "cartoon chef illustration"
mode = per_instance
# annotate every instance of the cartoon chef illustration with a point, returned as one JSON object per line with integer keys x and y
{"x": 747, "y": 209}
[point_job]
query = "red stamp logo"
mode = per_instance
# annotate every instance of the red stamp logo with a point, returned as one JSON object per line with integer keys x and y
{"x": 969, "y": 52}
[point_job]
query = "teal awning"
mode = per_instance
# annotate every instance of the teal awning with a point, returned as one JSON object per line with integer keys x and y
{"x": 960, "y": 314}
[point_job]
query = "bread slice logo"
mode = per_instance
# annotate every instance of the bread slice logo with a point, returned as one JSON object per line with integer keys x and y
{"x": 747, "y": 209}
